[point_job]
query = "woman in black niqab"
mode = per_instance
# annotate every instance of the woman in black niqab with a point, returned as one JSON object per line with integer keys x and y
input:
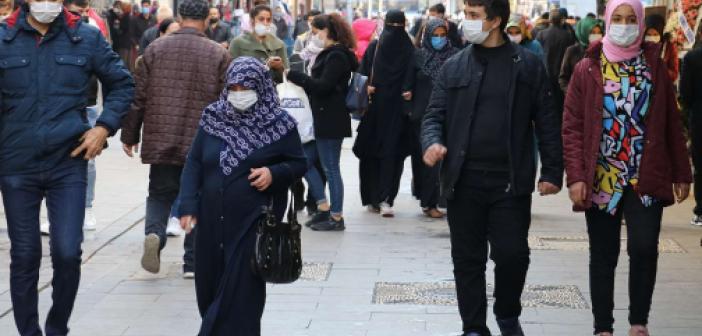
{"x": 381, "y": 144}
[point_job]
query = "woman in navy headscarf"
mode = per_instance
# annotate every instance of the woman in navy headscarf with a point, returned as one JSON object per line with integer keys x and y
{"x": 434, "y": 50}
{"x": 247, "y": 151}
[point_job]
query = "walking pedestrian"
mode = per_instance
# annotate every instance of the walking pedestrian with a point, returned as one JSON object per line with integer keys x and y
{"x": 119, "y": 19}
{"x": 365, "y": 32}
{"x": 326, "y": 88}
{"x": 380, "y": 144}
{"x": 217, "y": 30}
{"x": 261, "y": 43}
{"x": 625, "y": 157}
{"x": 485, "y": 135}
{"x": 518, "y": 33}
{"x": 154, "y": 32}
{"x": 178, "y": 76}
{"x": 655, "y": 33}
{"x": 247, "y": 152}
{"x": 435, "y": 50}
{"x": 691, "y": 100}
{"x": 140, "y": 23}
{"x": 587, "y": 31}
{"x": 555, "y": 40}
{"x": 46, "y": 142}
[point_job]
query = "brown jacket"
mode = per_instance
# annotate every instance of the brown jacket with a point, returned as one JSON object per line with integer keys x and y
{"x": 178, "y": 77}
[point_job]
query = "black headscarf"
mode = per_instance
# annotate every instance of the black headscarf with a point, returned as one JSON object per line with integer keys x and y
{"x": 434, "y": 59}
{"x": 395, "y": 51}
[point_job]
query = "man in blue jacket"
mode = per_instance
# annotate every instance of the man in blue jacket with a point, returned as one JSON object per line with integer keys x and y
{"x": 47, "y": 57}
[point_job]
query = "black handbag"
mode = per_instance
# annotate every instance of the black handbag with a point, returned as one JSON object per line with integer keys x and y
{"x": 278, "y": 255}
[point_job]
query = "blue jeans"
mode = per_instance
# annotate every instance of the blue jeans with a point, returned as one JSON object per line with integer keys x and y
{"x": 312, "y": 176}
{"x": 330, "y": 155}
{"x": 92, "y": 170}
{"x": 64, "y": 188}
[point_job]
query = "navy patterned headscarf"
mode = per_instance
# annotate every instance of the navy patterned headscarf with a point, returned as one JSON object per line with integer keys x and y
{"x": 246, "y": 131}
{"x": 435, "y": 59}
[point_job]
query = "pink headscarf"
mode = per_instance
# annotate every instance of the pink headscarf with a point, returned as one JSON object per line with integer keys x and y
{"x": 616, "y": 53}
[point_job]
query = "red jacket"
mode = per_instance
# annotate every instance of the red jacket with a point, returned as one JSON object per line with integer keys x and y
{"x": 665, "y": 158}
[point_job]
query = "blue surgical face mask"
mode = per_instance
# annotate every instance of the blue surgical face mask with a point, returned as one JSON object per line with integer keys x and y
{"x": 438, "y": 42}
{"x": 146, "y": 11}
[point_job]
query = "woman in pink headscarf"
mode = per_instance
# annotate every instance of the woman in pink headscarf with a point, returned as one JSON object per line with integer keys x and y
{"x": 364, "y": 29}
{"x": 625, "y": 157}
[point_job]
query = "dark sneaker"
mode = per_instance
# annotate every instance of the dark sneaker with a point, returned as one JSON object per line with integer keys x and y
{"x": 151, "y": 260}
{"x": 319, "y": 217}
{"x": 330, "y": 225}
{"x": 510, "y": 327}
{"x": 311, "y": 209}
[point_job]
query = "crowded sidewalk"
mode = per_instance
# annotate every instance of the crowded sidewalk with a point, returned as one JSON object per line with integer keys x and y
{"x": 380, "y": 277}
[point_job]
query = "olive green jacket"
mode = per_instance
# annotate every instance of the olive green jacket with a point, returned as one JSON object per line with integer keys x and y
{"x": 248, "y": 45}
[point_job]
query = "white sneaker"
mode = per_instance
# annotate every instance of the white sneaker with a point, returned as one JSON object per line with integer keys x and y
{"x": 696, "y": 221}
{"x": 44, "y": 228}
{"x": 90, "y": 223}
{"x": 386, "y": 210}
{"x": 173, "y": 229}
{"x": 188, "y": 275}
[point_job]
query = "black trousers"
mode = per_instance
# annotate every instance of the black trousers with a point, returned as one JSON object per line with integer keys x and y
{"x": 643, "y": 226}
{"x": 696, "y": 151}
{"x": 481, "y": 214}
{"x": 164, "y": 184}
{"x": 425, "y": 179}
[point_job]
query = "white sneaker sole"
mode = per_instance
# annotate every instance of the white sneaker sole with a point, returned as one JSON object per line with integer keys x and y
{"x": 150, "y": 261}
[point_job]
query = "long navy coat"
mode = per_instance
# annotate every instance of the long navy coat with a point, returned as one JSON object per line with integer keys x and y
{"x": 230, "y": 297}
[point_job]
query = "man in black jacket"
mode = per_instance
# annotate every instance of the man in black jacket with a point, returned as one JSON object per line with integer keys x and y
{"x": 691, "y": 97}
{"x": 555, "y": 40}
{"x": 488, "y": 171}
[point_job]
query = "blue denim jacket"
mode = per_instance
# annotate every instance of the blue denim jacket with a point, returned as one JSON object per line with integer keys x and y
{"x": 44, "y": 84}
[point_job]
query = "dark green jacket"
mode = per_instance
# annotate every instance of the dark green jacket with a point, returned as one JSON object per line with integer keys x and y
{"x": 248, "y": 45}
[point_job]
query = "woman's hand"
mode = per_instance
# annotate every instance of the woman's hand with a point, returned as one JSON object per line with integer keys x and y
{"x": 371, "y": 90}
{"x": 261, "y": 178}
{"x": 578, "y": 193}
{"x": 187, "y": 223}
{"x": 682, "y": 191}
{"x": 407, "y": 95}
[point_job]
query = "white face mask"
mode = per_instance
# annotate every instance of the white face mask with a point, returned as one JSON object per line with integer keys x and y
{"x": 242, "y": 100}
{"x": 3, "y": 17}
{"x": 654, "y": 39}
{"x": 594, "y": 37}
{"x": 317, "y": 41}
{"x": 623, "y": 35}
{"x": 45, "y": 11}
{"x": 515, "y": 38}
{"x": 261, "y": 30}
{"x": 473, "y": 31}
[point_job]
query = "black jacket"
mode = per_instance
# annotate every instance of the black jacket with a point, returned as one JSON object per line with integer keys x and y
{"x": 327, "y": 88}
{"x": 450, "y": 114}
{"x": 555, "y": 40}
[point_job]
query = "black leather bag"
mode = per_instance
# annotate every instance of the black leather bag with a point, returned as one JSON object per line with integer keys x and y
{"x": 278, "y": 254}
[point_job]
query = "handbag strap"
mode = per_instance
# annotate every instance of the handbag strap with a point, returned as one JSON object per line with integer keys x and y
{"x": 292, "y": 214}
{"x": 375, "y": 54}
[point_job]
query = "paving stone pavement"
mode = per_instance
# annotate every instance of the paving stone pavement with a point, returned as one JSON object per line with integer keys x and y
{"x": 381, "y": 277}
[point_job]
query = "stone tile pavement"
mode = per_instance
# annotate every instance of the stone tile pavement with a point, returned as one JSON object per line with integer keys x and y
{"x": 382, "y": 277}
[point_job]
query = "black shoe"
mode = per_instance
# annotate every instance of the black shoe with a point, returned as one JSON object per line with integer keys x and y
{"x": 311, "y": 209}
{"x": 319, "y": 217}
{"x": 471, "y": 334}
{"x": 510, "y": 327}
{"x": 330, "y": 225}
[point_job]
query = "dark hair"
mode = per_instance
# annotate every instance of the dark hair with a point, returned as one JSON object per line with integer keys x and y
{"x": 261, "y": 2}
{"x": 493, "y": 8}
{"x": 148, "y": 2}
{"x": 339, "y": 29}
{"x": 591, "y": 15}
{"x": 545, "y": 16}
{"x": 314, "y": 12}
{"x": 438, "y": 8}
{"x": 258, "y": 9}
{"x": 79, "y": 3}
{"x": 163, "y": 26}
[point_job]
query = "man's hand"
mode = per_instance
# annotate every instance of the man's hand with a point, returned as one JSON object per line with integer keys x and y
{"x": 91, "y": 143}
{"x": 682, "y": 191}
{"x": 225, "y": 45}
{"x": 407, "y": 95}
{"x": 578, "y": 193}
{"x": 371, "y": 90}
{"x": 275, "y": 63}
{"x": 434, "y": 154}
{"x": 261, "y": 178}
{"x": 187, "y": 223}
{"x": 130, "y": 149}
{"x": 548, "y": 188}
